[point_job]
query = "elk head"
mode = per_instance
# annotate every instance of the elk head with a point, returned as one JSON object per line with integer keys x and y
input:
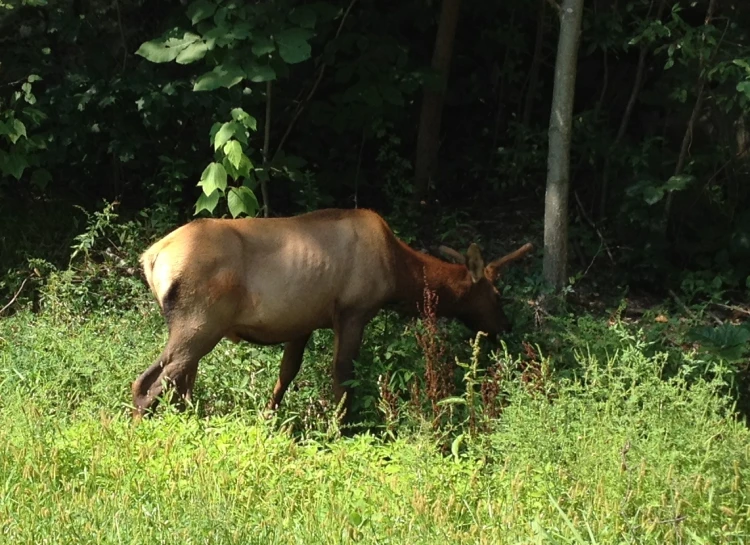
{"x": 481, "y": 307}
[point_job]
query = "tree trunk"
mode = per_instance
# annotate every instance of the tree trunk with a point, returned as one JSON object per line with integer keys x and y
{"x": 428, "y": 139}
{"x": 558, "y": 161}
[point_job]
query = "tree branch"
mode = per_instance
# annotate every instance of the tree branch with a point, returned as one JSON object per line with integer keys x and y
{"x": 15, "y": 297}
{"x": 301, "y": 105}
{"x": 266, "y": 144}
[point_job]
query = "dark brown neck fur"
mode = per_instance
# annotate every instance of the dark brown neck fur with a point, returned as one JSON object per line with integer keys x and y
{"x": 412, "y": 269}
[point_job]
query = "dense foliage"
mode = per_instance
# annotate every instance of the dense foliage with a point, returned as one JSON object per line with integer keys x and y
{"x": 318, "y": 103}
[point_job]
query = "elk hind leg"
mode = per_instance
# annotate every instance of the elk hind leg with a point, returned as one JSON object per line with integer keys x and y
{"x": 176, "y": 367}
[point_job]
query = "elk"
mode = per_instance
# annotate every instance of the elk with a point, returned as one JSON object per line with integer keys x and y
{"x": 276, "y": 280}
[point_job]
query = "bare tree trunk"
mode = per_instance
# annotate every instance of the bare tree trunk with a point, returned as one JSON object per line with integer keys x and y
{"x": 558, "y": 162}
{"x": 428, "y": 139}
{"x": 536, "y": 62}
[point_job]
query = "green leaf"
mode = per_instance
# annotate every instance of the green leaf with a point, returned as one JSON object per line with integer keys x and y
{"x": 41, "y": 178}
{"x": 233, "y": 151}
{"x": 13, "y": 164}
{"x": 227, "y": 131}
{"x": 652, "y": 194}
{"x": 214, "y": 177}
{"x": 303, "y": 16}
{"x": 207, "y": 202}
{"x": 194, "y": 52}
{"x": 242, "y": 200}
{"x": 744, "y": 87}
{"x": 263, "y": 46}
{"x": 246, "y": 166}
{"x": 260, "y": 72}
{"x": 456, "y": 447}
{"x": 678, "y": 183}
{"x": 199, "y": 10}
{"x": 221, "y": 76}
{"x": 727, "y": 341}
{"x": 293, "y": 45}
{"x": 166, "y": 50}
{"x": 16, "y": 130}
{"x": 241, "y": 116}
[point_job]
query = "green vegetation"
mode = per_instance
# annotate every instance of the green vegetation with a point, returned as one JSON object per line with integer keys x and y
{"x": 634, "y": 447}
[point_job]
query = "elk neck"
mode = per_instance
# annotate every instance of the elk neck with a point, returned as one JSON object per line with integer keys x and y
{"x": 414, "y": 271}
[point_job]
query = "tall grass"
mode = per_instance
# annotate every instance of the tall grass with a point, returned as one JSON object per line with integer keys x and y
{"x": 614, "y": 453}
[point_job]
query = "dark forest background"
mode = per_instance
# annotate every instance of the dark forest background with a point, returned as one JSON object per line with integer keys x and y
{"x": 122, "y": 107}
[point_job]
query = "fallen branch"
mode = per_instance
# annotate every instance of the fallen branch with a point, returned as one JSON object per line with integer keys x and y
{"x": 15, "y": 297}
{"x": 735, "y": 308}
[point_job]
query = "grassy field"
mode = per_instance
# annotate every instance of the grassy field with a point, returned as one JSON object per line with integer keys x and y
{"x": 629, "y": 448}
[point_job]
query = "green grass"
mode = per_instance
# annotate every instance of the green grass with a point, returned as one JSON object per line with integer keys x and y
{"x": 615, "y": 453}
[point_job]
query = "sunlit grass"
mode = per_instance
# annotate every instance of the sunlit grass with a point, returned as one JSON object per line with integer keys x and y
{"x": 620, "y": 455}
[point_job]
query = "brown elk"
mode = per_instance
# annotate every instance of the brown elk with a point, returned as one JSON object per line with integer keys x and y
{"x": 276, "y": 280}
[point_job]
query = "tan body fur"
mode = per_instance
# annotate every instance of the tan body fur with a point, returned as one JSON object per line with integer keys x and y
{"x": 277, "y": 280}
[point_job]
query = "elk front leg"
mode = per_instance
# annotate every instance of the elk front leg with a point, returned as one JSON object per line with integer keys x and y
{"x": 290, "y": 365}
{"x": 348, "y": 332}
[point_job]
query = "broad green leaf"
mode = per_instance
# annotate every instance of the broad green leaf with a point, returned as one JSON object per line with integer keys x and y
{"x": 293, "y": 46}
{"x": 241, "y": 200}
{"x": 214, "y": 177}
{"x": 17, "y": 130}
{"x": 13, "y": 164}
{"x": 199, "y": 10}
{"x": 260, "y": 72}
{"x": 194, "y": 52}
{"x": 4, "y": 128}
{"x": 233, "y": 151}
{"x": 303, "y": 16}
{"x": 246, "y": 167}
{"x": 166, "y": 50}
{"x": 744, "y": 87}
{"x": 652, "y": 194}
{"x": 41, "y": 178}
{"x": 678, "y": 183}
{"x": 207, "y": 202}
{"x": 263, "y": 46}
{"x": 241, "y": 116}
{"x": 221, "y": 76}
{"x": 242, "y": 31}
{"x": 227, "y": 131}
{"x": 728, "y": 341}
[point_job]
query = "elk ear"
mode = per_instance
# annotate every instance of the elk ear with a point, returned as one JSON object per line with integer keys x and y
{"x": 449, "y": 254}
{"x": 493, "y": 268}
{"x": 475, "y": 263}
